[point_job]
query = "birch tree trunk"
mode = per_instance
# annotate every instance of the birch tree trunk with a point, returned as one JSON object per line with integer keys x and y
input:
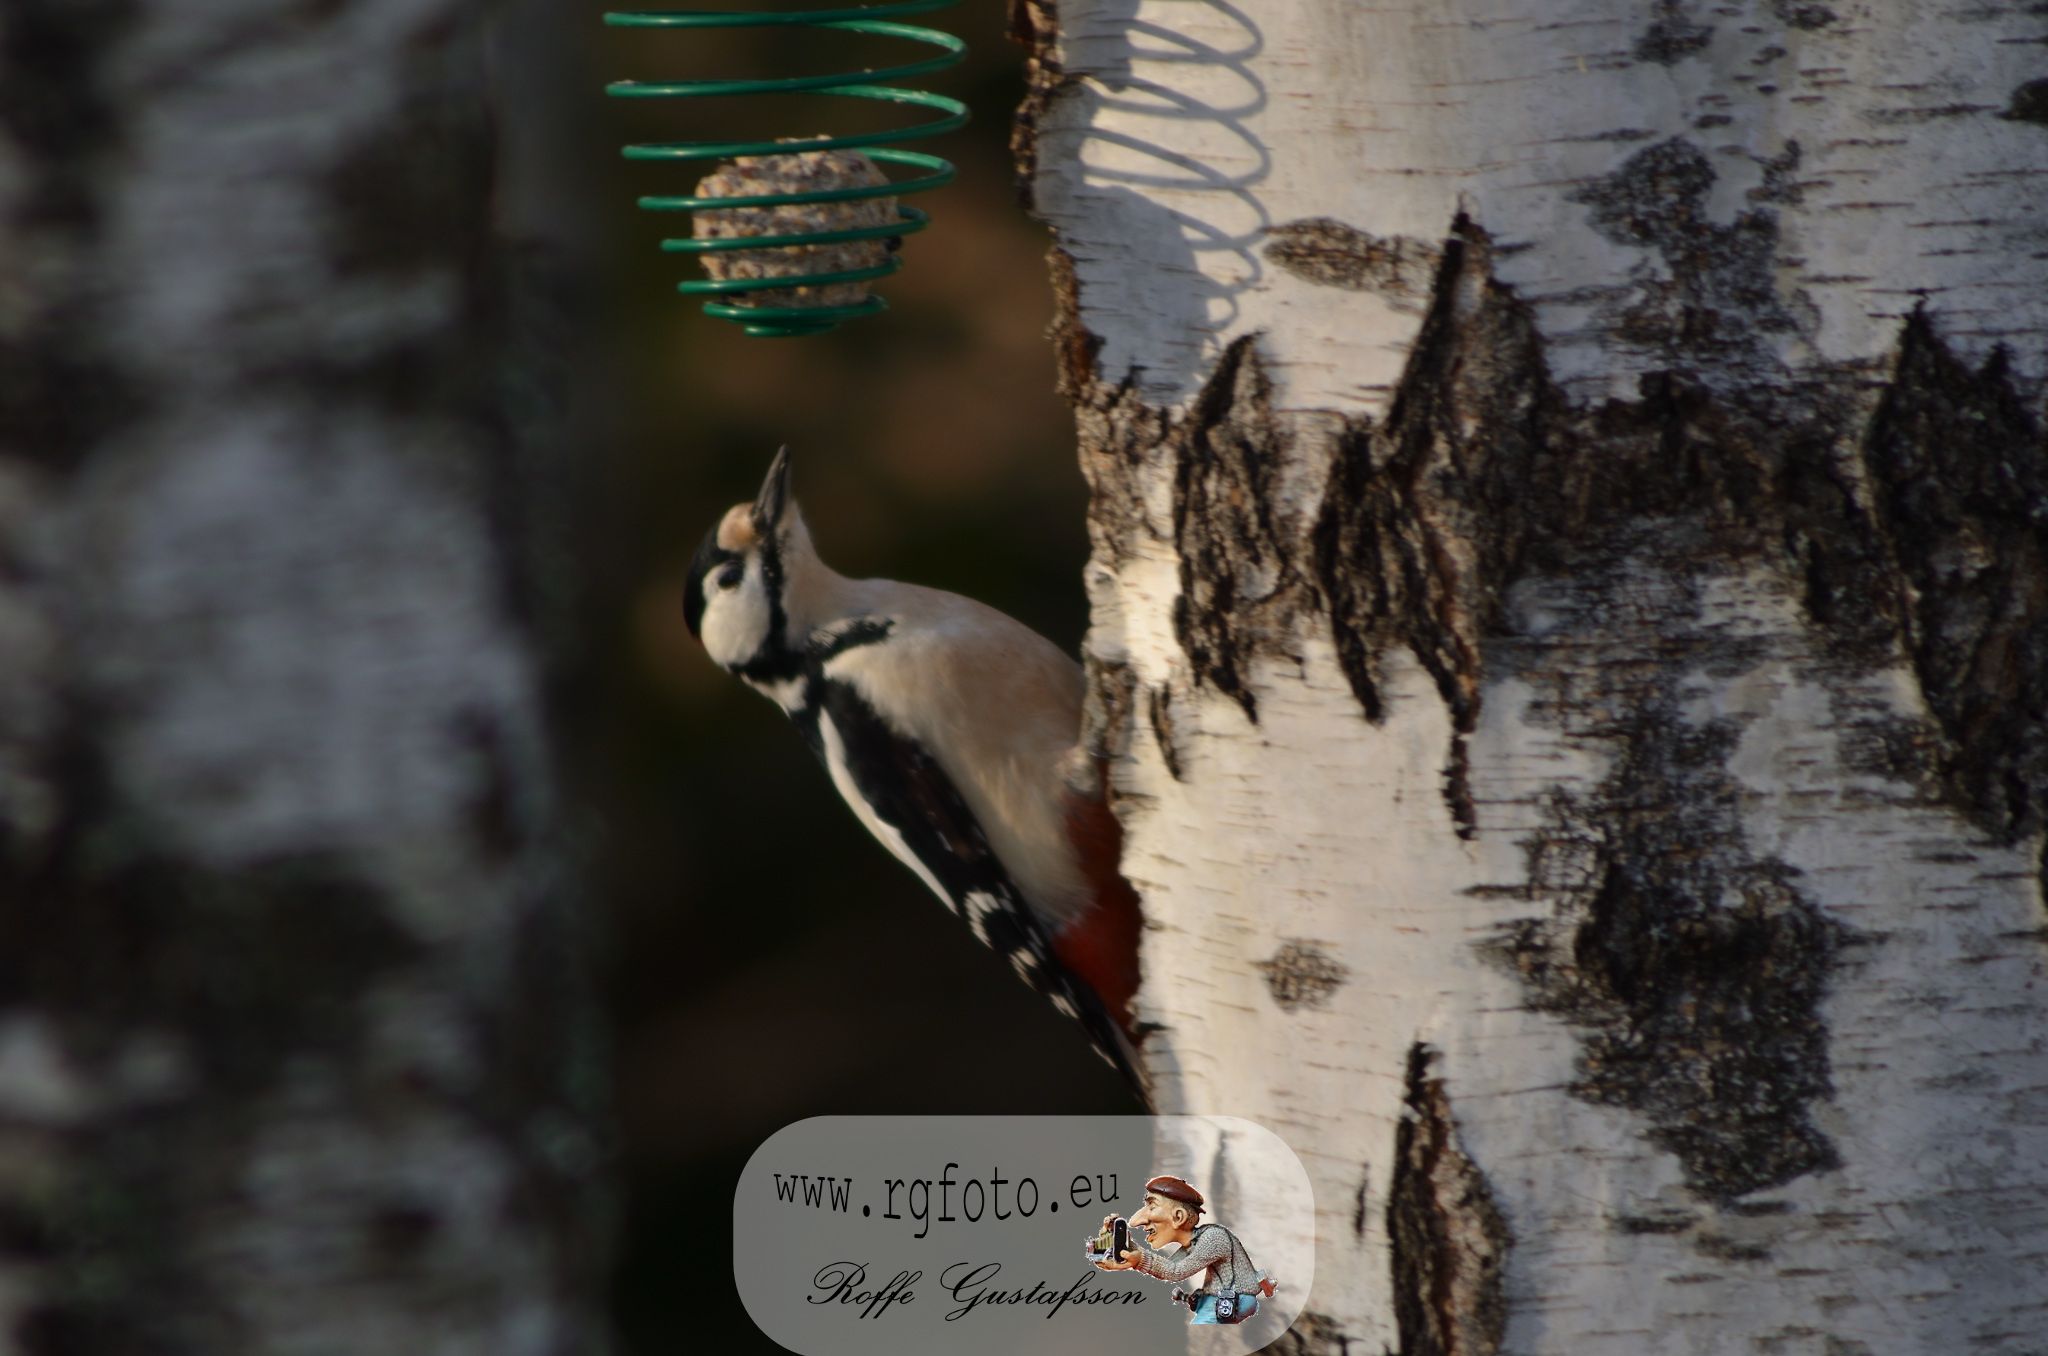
{"x": 1571, "y": 623}
{"x": 291, "y": 1029}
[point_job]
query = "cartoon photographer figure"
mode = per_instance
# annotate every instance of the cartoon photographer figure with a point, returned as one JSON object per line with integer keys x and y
{"x": 1231, "y": 1285}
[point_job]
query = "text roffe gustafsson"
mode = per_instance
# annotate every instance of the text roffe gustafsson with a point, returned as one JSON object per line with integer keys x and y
{"x": 971, "y": 1285}
{"x": 965, "y": 1286}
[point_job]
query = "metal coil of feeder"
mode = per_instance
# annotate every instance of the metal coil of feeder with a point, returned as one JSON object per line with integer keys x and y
{"x": 781, "y": 321}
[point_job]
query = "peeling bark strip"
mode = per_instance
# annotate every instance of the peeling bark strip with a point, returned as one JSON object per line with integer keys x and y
{"x": 1427, "y": 514}
{"x": 1958, "y": 469}
{"x": 1240, "y": 589}
{"x": 1450, "y": 1244}
{"x": 1434, "y": 514}
{"x": 296, "y": 1049}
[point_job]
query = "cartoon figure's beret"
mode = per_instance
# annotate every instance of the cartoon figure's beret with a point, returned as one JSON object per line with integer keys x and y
{"x": 1174, "y": 1189}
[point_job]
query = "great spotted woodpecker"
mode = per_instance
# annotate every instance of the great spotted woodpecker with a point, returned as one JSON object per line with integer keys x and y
{"x": 951, "y": 730}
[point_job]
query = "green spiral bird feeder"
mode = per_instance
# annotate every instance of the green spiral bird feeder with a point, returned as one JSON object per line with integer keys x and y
{"x": 793, "y": 230}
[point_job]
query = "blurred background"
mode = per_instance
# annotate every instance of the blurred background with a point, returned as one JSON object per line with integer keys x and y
{"x": 767, "y": 960}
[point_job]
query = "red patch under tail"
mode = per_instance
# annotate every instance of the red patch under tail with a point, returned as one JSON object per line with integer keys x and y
{"x": 1101, "y": 946}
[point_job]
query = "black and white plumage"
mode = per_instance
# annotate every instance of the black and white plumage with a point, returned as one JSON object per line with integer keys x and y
{"x": 950, "y": 730}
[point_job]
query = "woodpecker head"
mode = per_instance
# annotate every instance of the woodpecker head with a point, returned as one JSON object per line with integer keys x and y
{"x": 737, "y": 599}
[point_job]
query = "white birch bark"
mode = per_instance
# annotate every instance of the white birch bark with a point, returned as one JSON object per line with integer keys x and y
{"x": 1569, "y": 619}
{"x": 294, "y": 1050}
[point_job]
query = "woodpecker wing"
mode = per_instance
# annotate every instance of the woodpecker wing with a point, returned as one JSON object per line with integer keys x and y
{"x": 908, "y": 802}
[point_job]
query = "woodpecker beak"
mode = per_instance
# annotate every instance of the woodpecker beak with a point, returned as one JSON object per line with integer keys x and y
{"x": 774, "y": 496}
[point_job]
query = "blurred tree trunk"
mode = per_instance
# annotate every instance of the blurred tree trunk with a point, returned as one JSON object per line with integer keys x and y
{"x": 295, "y": 1053}
{"x": 1571, "y": 620}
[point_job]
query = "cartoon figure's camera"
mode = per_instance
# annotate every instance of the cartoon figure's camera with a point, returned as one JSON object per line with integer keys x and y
{"x": 1112, "y": 1242}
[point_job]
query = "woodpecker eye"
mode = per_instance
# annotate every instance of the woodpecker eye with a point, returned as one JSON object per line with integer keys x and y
{"x": 729, "y": 576}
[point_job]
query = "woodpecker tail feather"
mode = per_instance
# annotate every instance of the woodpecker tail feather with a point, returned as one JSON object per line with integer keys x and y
{"x": 911, "y": 805}
{"x": 1016, "y": 935}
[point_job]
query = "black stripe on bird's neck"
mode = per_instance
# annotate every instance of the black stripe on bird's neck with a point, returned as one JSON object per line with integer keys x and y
{"x": 773, "y": 580}
{"x": 777, "y": 661}
{"x": 829, "y": 644}
{"x": 774, "y": 662}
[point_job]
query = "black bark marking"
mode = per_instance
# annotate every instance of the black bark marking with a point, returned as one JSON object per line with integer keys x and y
{"x": 1457, "y": 788}
{"x": 1240, "y": 588}
{"x": 54, "y": 103}
{"x": 1898, "y": 117}
{"x": 1449, "y": 1240}
{"x": 1159, "y": 705}
{"x": 1615, "y": 134}
{"x": 1805, "y": 17}
{"x": 1673, "y": 37}
{"x": 1359, "y": 1201}
{"x": 1695, "y": 968}
{"x": 1715, "y": 296}
{"x": 1303, "y": 975}
{"x": 1958, "y": 470}
{"x": 1652, "y": 1224}
{"x": 1722, "y": 1248}
{"x": 59, "y": 393}
{"x": 2029, "y": 103}
{"x": 1427, "y": 516}
{"x": 1326, "y": 251}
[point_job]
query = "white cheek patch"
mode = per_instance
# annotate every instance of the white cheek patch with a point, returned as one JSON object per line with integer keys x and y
{"x": 835, "y": 763}
{"x": 735, "y": 620}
